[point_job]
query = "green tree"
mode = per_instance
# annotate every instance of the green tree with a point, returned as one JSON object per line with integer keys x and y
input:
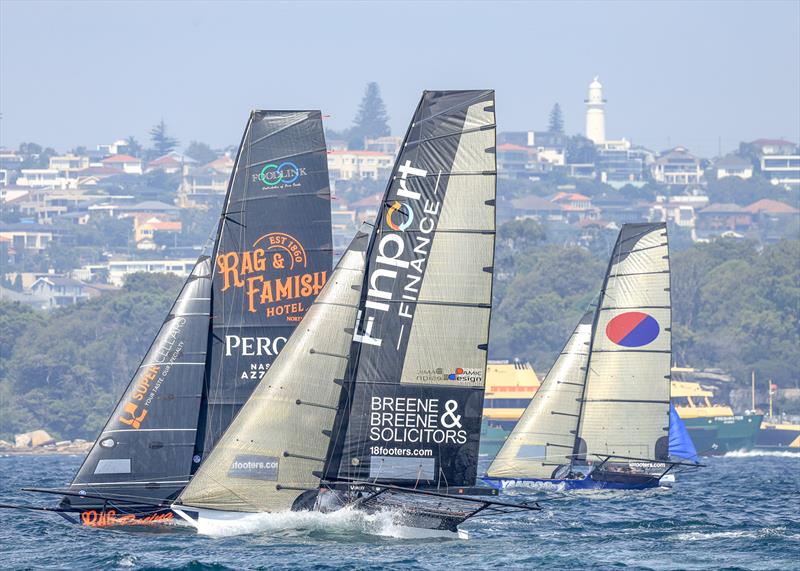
{"x": 556, "y": 120}
{"x": 134, "y": 147}
{"x": 371, "y": 120}
{"x": 200, "y": 152}
{"x": 162, "y": 143}
{"x": 580, "y": 150}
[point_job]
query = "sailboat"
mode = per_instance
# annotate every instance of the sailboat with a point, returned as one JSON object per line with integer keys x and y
{"x": 602, "y": 417}
{"x": 271, "y": 257}
{"x": 375, "y": 401}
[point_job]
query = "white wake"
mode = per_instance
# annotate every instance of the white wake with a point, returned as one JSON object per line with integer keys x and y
{"x": 346, "y": 521}
{"x": 761, "y": 454}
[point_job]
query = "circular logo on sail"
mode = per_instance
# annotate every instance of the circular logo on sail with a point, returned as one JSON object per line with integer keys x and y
{"x": 286, "y": 173}
{"x": 406, "y": 217}
{"x": 632, "y": 329}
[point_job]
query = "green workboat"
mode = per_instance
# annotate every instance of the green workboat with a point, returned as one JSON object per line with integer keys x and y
{"x": 714, "y": 428}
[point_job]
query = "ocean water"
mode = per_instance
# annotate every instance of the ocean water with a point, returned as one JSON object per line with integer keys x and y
{"x": 741, "y": 512}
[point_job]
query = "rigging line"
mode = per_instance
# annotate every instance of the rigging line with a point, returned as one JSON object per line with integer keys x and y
{"x": 637, "y": 250}
{"x": 618, "y": 308}
{"x": 649, "y": 230}
{"x": 323, "y": 150}
{"x": 281, "y": 129}
{"x": 452, "y": 231}
{"x": 464, "y": 105}
{"x": 466, "y": 131}
{"x": 441, "y": 303}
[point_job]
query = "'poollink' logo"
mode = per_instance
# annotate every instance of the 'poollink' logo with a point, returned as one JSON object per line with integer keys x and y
{"x": 282, "y": 174}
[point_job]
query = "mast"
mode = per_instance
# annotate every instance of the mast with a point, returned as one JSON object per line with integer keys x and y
{"x": 629, "y": 371}
{"x": 412, "y": 399}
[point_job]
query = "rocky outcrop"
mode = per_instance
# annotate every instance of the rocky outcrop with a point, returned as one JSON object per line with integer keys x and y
{"x": 33, "y": 439}
{"x": 39, "y": 442}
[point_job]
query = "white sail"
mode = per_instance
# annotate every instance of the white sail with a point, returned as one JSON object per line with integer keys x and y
{"x": 626, "y": 402}
{"x": 544, "y": 438}
{"x": 275, "y": 448}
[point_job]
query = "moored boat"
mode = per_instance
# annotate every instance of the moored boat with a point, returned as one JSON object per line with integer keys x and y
{"x": 714, "y": 428}
{"x": 509, "y": 389}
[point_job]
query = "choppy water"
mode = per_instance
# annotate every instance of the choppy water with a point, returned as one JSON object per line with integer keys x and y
{"x": 742, "y": 512}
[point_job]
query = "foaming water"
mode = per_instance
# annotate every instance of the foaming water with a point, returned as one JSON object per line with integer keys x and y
{"x": 739, "y": 512}
{"x": 346, "y": 521}
{"x": 761, "y": 454}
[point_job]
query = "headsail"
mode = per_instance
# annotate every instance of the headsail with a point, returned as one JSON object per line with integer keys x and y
{"x": 628, "y": 377}
{"x": 274, "y": 451}
{"x": 271, "y": 258}
{"x": 413, "y": 395}
{"x": 680, "y": 443}
{"x": 544, "y": 438}
{"x": 144, "y": 452}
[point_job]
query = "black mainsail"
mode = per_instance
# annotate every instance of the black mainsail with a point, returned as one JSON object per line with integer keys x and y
{"x": 271, "y": 257}
{"x": 412, "y": 400}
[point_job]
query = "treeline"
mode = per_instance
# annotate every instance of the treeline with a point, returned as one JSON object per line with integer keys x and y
{"x": 65, "y": 369}
{"x": 735, "y": 308}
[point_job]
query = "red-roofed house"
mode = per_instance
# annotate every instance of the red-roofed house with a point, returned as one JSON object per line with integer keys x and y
{"x": 367, "y": 207}
{"x": 771, "y": 207}
{"x": 775, "y": 219}
{"x": 126, "y": 163}
{"x": 146, "y": 228}
{"x": 720, "y": 218}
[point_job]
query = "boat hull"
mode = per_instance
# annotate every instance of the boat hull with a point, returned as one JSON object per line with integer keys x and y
{"x": 587, "y": 483}
{"x": 713, "y": 436}
{"x": 219, "y": 522}
{"x": 774, "y": 436}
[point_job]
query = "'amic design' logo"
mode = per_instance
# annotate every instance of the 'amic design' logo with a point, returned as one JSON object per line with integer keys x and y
{"x": 407, "y": 217}
{"x": 632, "y": 329}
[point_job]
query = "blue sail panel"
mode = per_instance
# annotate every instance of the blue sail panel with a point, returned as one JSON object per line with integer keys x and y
{"x": 680, "y": 443}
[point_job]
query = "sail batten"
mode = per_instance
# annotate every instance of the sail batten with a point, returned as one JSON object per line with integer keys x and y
{"x": 272, "y": 257}
{"x": 628, "y": 375}
{"x": 232, "y": 316}
{"x": 412, "y": 400}
{"x": 274, "y": 450}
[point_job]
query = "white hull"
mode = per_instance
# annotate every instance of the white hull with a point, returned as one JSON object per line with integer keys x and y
{"x": 219, "y": 522}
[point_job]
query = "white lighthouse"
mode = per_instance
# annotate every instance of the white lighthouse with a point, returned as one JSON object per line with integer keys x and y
{"x": 595, "y": 113}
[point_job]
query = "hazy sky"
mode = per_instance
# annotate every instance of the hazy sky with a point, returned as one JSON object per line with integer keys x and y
{"x": 690, "y": 73}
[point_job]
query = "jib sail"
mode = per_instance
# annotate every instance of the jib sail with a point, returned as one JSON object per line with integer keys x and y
{"x": 144, "y": 453}
{"x": 271, "y": 258}
{"x": 627, "y": 396}
{"x": 412, "y": 398}
{"x": 273, "y": 453}
{"x": 543, "y": 440}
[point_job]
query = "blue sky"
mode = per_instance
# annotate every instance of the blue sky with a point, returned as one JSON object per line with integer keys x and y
{"x": 690, "y": 73}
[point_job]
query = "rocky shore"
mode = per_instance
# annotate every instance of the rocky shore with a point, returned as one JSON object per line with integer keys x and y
{"x": 39, "y": 442}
